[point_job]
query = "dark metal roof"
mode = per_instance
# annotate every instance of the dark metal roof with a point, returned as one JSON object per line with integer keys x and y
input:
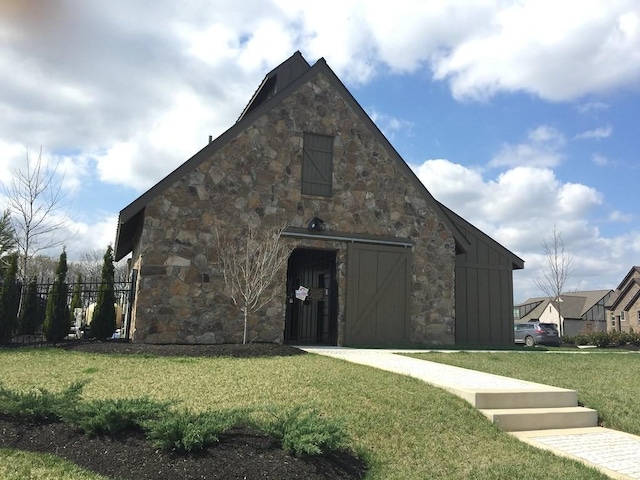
{"x": 132, "y": 214}
{"x": 276, "y": 80}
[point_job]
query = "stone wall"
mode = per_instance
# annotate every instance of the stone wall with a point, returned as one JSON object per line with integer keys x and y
{"x": 255, "y": 179}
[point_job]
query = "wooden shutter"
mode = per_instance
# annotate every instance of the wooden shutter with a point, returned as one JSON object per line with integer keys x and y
{"x": 378, "y": 294}
{"x": 317, "y": 165}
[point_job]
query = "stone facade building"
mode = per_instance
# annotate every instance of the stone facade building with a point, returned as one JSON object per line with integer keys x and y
{"x": 624, "y": 312}
{"x": 384, "y": 268}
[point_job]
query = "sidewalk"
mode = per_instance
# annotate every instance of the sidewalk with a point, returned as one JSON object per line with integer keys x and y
{"x": 617, "y": 454}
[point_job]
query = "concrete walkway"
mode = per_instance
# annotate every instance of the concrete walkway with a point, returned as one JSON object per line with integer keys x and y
{"x": 543, "y": 416}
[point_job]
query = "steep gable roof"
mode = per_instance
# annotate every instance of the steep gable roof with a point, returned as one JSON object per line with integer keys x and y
{"x": 623, "y": 283}
{"x": 462, "y": 224}
{"x": 633, "y": 301}
{"x": 573, "y": 306}
{"x": 276, "y": 80}
{"x": 590, "y": 298}
{"x": 262, "y": 101}
{"x": 623, "y": 294}
{"x": 534, "y": 313}
{"x": 531, "y": 301}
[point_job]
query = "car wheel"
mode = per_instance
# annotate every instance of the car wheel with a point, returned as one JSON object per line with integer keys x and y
{"x": 529, "y": 342}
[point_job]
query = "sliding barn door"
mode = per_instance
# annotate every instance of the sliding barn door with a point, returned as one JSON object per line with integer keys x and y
{"x": 377, "y": 296}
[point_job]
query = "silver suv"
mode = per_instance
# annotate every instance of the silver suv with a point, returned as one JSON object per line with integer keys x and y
{"x": 536, "y": 333}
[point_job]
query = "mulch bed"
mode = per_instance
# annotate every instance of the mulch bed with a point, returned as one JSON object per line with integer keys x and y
{"x": 242, "y": 453}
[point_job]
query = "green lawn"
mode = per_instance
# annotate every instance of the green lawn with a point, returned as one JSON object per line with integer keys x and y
{"x": 607, "y": 381}
{"x": 408, "y": 429}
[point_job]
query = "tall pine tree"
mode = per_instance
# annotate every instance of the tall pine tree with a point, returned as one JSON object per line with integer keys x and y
{"x": 103, "y": 323}
{"x": 56, "y": 321}
{"x": 9, "y": 301}
{"x": 31, "y": 315}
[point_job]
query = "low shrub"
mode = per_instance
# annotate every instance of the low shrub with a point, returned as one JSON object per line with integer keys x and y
{"x": 600, "y": 339}
{"x": 604, "y": 339}
{"x": 114, "y": 416}
{"x": 190, "y": 432}
{"x": 40, "y": 405}
{"x": 300, "y": 430}
{"x": 303, "y": 431}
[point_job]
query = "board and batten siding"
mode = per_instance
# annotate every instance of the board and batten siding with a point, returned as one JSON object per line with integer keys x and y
{"x": 484, "y": 294}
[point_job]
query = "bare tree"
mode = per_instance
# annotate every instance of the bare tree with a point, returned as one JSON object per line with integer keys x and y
{"x": 250, "y": 264}
{"x": 90, "y": 268}
{"x": 559, "y": 267}
{"x": 35, "y": 196}
{"x": 43, "y": 268}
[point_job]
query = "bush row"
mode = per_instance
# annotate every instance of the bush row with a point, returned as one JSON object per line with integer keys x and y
{"x": 301, "y": 430}
{"x": 604, "y": 339}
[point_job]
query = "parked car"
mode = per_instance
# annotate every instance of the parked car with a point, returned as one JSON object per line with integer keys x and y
{"x": 536, "y": 333}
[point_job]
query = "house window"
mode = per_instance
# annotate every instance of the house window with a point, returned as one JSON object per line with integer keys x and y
{"x": 622, "y": 316}
{"x": 317, "y": 165}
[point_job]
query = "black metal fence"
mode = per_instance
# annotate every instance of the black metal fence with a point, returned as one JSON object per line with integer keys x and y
{"x": 81, "y": 317}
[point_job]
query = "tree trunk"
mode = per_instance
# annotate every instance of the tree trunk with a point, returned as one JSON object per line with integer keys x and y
{"x": 246, "y": 321}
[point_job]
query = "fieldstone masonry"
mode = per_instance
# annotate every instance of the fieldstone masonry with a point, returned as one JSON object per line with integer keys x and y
{"x": 255, "y": 180}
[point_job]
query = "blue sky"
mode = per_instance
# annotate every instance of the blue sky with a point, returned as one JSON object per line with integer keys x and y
{"x": 517, "y": 115}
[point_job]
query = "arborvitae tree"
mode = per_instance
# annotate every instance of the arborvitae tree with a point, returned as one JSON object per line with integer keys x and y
{"x": 56, "y": 321}
{"x": 9, "y": 301}
{"x": 76, "y": 299}
{"x": 7, "y": 239}
{"x": 31, "y": 315}
{"x": 103, "y": 323}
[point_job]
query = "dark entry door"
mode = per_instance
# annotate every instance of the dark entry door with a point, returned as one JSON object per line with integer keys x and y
{"x": 312, "y": 321}
{"x": 378, "y": 287}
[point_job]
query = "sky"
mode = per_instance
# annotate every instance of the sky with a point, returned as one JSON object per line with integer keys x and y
{"x": 518, "y": 115}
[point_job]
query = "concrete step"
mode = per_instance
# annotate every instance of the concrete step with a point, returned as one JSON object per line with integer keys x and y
{"x": 524, "y": 419}
{"x": 550, "y": 397}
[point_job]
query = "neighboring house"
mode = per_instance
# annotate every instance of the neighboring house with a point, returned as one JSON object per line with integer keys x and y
{"x": 624, "y": 312}
{"x": 579, "y": 311}
{"x": 393, "y": 265}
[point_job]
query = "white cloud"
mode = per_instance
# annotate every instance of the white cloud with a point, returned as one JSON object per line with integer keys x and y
{"x": 555, "y": 50}
{"x": 543, "y": 149}
{"x": 388, "y": 124}
{"x": 591, "y": 107}
{"x": 618, "y": 216}
{"x": 520, "y": 207}
{"x": 600, "y": 160}
{"x": 79, "y": 237}
{"x": 602, "y": 132}
{"x": 144, "y": 87}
